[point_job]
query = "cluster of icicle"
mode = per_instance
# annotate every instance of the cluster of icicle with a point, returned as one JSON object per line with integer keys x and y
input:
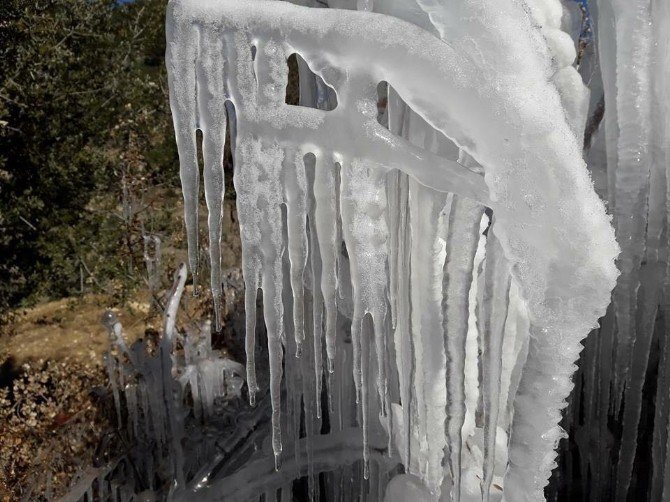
{"x": 164, "y": 390}
{"x": 622, "y": 394}
{"x": 396, "y": 305}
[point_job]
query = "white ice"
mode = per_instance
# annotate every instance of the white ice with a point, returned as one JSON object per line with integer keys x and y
{"x": 482, "y": 90}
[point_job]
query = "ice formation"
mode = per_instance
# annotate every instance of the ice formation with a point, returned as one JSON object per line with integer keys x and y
{"x": 370, "y": 238}
{"x": 622, "y": 394}
{"x": 161, "y": 397}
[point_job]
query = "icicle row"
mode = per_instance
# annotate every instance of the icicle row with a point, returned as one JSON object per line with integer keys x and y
{"x": 363, "y": 205}
{"x": 633, "y": 51}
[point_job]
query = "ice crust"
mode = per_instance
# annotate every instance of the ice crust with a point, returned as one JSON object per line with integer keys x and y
{"x": 374, "y": 231}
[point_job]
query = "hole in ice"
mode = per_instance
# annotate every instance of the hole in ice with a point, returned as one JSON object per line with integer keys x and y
{"x": 229, "y": 147}
{"x": 302, "y": 429}
{"x": 293, "y": 85}
{"x": 305, "y": 88}
{"x": 198, "y": 142}
{"x": 345, "y": 253}
{"x": 382, "y": 103}
{"x": 253, "y": 60}
{"x": 200, "y": 166}
{"x": 488, "y": 213}
{"x": 325, "y": 406}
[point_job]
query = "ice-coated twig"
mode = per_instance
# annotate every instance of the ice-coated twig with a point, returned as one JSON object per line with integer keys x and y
{"x": 174, "y": 299}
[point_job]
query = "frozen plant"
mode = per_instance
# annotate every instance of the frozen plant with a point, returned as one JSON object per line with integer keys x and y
{"x": 428, "y": 243}
{"x": 177, "y": 407}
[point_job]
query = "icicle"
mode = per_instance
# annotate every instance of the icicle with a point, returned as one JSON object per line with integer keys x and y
{"x": 363, "y": 202}
{"x": 295, "y": 186}
{"x": 314, "y": 280}
{"x": 102, "y": 488}
{"x": 273, "y": 314}
{"x": 130, "y": 393}
{"x": 520, "y": 348}
{"x": 144, "y": 397}
{"x": 493, "y": 313}
{"x": 356, "y": 328}
{"x": 607, "y": 46}
{"x": 655, "y": 253}
{"x": 173, "y": 303}
{"x": 515, "y": 334}
{"x": 115, "y": 329}
{"x": 326, "y": 214}
{"x": 633, "y": 49}
{"x": 584, "y": 437}
{"x": 365, "y": 369}
{"x": 662, "y": 403}
{"x": 309, "y": 398}
{"x": 111, "y": 372}
{"x": 666, "y": 467}
{"x": 649, "y": 297}
{"x": 399, "y": 243}
{"x": 429, "y": 215}
{"x": 419, "y": 287}
{"x": 287, "y": 493}
{"x": 256, "y": 177}
{"x": 250, "y": 292}
{"x": 462, "y": 243}
{"x": 317, "y": 318}
{"x": 183, "y": 86}
{"x": 661, "y": 116}
{"x": 211, "y": 95}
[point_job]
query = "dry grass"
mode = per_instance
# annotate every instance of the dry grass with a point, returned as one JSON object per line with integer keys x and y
{"x": 51, "y": 421}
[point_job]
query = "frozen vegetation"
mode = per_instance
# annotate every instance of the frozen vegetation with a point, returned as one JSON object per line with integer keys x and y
{"x": 428, "y": 247}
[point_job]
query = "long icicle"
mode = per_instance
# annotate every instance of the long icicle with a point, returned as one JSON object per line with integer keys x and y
{"x": 316, "y": 260}
{"x": 400, "y": 279}
{"x": 363, "y": 206}
{"x": 494, "y": 314}
{"x": 212, "y": 112}
{"x": 633, "y": 31}
{"x": 325, "y": 178}
{"x": 295, "y": 187}
{"x": 184, "y": 86}
{"x": 661, "y": 414}
{"x": 649, "y": 297}
{"x": 461, "y": 247}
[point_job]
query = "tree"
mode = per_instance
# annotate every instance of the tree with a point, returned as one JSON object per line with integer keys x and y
{"x": 82, "y": 104}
